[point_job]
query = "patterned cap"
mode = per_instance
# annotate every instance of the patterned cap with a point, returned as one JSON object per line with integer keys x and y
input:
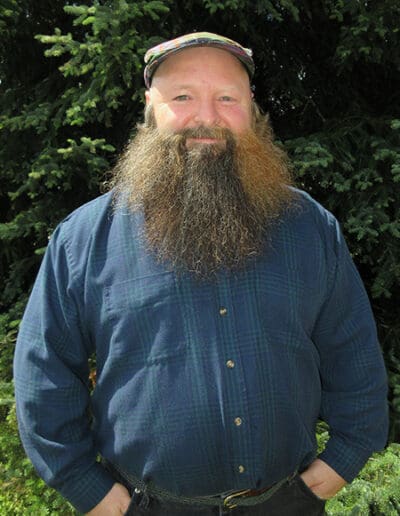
{"x": 156, "y": 55}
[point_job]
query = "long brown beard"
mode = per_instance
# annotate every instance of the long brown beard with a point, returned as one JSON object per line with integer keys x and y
{"x": 209, "y": 207}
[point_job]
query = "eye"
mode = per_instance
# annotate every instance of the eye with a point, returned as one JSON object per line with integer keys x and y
{"x": 182, "y": 98}
{"x": 226, "y": 98}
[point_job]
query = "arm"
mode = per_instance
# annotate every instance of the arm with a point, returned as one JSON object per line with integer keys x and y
{"x": 51, "y": 382}
{"x": 353, "y": 376}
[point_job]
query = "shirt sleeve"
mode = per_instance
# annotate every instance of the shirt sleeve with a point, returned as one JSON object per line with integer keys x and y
{"x": 51, "y": 384}
{"x": 353, "y": 375}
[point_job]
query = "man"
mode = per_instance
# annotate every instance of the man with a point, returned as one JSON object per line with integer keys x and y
{"x": 224, "y": 310}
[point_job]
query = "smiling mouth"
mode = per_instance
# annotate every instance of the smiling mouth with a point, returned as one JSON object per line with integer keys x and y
{"x": 206, "y": 141}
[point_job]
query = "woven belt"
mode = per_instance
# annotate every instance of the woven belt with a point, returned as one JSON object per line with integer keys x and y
{"x": 229, "y": 500}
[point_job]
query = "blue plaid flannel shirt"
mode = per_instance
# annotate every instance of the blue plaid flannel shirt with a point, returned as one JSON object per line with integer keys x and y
{"x": 202, "y": 386}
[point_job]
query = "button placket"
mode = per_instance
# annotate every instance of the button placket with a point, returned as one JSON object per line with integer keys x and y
{"x": 236, "y": 382}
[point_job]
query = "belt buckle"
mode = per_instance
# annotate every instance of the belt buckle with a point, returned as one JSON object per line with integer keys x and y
{"x": 228, "y": 499}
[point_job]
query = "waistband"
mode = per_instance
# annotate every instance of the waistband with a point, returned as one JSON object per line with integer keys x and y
{"x": 228, "y": 500}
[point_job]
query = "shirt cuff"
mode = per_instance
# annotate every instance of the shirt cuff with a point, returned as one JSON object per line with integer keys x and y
{"x": 345, "y": 459}
{"x": 87, "y": 488}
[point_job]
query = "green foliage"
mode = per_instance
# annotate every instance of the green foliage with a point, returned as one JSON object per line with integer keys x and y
{"x": 22, "y": 492}
{"x": 359, "y": 160}
{"x": 62, "y": 120}
{"x": 375, "y": 491}
{"x": 71, "y": 92}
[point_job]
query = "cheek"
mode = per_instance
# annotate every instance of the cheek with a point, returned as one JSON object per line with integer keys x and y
{"x": 171, "y": 118}
{"x": 237, "y": 118}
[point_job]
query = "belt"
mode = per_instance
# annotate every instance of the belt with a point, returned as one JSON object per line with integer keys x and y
{"x": 228, "y": 500}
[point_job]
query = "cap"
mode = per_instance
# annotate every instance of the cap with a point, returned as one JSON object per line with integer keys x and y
{"x": 156, "y": 55}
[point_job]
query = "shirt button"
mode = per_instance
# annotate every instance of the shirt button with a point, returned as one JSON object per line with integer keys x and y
{"x": 223, "y": 311}
{"x": 230, "y": 364}
{"x": 241, "y": 469}
{"x": 238, "y": 421}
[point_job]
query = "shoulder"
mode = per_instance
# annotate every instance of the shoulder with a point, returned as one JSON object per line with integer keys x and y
{"x": 75, "y": 235}
{"x": 313, "y": 216}
{"x": 87, "y": 215}
{"x": 306, "y": 206}
{"x": 310, "y": 227}
{"x": 80, "y": 225}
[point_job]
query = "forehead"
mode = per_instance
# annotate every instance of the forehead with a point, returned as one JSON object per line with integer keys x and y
{"x": 207, "y": 62}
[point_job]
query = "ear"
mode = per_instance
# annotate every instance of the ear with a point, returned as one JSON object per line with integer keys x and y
{"x": 147, "y": 97}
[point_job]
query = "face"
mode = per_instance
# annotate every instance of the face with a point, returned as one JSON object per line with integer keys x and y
{"x": 203, "y": 165}
{"x": 201, "y": 86}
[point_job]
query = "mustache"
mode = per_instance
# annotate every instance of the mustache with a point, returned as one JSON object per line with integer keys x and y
{"x": 201, "y": 131}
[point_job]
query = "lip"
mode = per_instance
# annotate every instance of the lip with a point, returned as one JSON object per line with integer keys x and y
{"x": 204, "y": 140}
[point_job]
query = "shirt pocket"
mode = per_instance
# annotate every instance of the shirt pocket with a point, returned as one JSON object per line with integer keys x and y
{"x": 145, "y": 319}
{"x": 288, "y": 301}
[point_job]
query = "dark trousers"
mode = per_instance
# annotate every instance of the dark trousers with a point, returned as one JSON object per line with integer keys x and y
{"x": 294, "y": 498}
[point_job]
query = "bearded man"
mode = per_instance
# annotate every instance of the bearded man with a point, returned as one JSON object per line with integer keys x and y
{"x": 224, "y": 310}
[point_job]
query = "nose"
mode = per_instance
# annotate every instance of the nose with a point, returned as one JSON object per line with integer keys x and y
{"x": 206, "y": 113}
